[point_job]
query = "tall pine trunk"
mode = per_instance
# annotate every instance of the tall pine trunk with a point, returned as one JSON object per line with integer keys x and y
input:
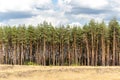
{"x": 108, "y": 56}
{"x": 44, "y": 51}
{"x": 114, "y": 43}
{"x": 68, "y": 50}
{"x": 30, "y": 51}
{"x": 103, "y": 50}
{"x": 96, "y": 53}
{"x": 87, "y": 47}
{"x": 92, "y": 62}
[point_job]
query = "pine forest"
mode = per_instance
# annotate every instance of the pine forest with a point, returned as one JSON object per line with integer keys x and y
{"x": 93, "y": 44}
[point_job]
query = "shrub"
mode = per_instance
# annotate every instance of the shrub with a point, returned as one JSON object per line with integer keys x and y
{"x": 30, "y": 63}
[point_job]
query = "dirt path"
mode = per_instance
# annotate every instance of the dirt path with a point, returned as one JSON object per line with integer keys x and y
{"x": 8, "y": 72}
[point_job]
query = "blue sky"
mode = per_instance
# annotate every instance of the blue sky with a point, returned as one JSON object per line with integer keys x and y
{"x": 54, "y": 1}
{"x": 73, "y": 12}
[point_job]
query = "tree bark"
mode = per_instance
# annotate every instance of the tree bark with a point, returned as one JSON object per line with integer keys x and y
{"x": 114, "y": 43}
{"x": 87, "y": 47}
{"x": 108, "y": 56}
{"x": 44, "y": 51}
{"x": 92, "y": 50}
{"x": 103, "y": 50}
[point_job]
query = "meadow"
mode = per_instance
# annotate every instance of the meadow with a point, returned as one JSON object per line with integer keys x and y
{"x": 16, "y": 72}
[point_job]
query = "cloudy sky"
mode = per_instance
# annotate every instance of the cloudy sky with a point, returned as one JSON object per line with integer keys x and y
{"x": 79, "y": 12}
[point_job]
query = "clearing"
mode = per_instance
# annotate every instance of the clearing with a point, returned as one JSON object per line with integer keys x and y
{"x": 16, "y": 72}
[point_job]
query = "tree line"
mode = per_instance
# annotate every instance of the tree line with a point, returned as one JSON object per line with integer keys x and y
{"x": 94, "y": 44}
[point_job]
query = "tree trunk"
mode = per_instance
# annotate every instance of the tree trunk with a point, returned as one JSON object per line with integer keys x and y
{"x": 18, "y": 53}
{"x": 87, "y": 47}
{"x": 68, "y": 52}
{"x": 103, "y": 50}
{"x": 3, "y": 50}
{"x": 62, "y": 53}
{"x": 44, "y": 51}
{"x": 108, "y": 56}
{"x": 119, "y": 58}
{"x": 53, "y": 50}
{"x": 36, "y": 54}
{"x": 14, "y": 54}
{"x": 6, "y": 55}
{"x": 0, "y": 53}
{"x": 92, "y": 50}
{"x": 30, "y": 51}
{"x": 74, "y": 49}
{"x": 22, "y": 51}
{"x": 114, "y": 43}
{"x": 96, "y": 55}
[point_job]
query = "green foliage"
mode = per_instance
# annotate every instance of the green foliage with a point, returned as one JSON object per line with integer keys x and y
{"x": 29, "y": 63}
{"x": 75, "y": 64}
{"x": 62, "y": 45}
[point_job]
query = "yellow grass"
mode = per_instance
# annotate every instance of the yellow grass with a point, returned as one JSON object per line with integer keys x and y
{"x": 8, "y": 72}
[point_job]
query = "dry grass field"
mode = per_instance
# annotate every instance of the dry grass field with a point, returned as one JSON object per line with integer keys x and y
{"x": 8, "y": 72}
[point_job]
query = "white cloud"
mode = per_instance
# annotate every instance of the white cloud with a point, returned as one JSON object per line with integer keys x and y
{"x": 35, "y": 21}
{"x": 91, "y": 3}
{"x": 56, "y": 13}
{"x": 56, "y": 19}
{"x": 81, "y": 18}
{"x": 96, "y": 4}
{"x": 1, "y": 24}
{"x": 75, "y": 24}
{"x": 115, "y": 5}
{"x": 63, "y": 5}
{"x": 42, "y": 2}
{"x": 15, "y": 5}
{"x": 6, "y": 5}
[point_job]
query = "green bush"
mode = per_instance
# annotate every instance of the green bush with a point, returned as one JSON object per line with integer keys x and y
{"x": 75, "y": 64}
{"x": 30, "y": 63}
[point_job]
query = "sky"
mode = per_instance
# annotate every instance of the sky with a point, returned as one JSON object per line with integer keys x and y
{"x": 58, "y": 12}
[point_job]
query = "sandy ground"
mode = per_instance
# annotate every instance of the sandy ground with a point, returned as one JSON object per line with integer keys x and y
{"x": 8, "y": 72}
